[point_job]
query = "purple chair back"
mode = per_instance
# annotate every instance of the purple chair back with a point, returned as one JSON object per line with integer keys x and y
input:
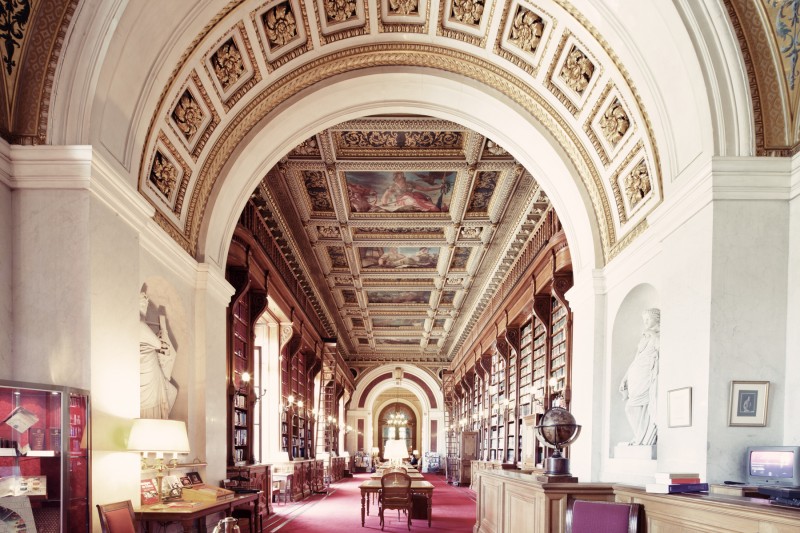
{"x": 602, "y": 517}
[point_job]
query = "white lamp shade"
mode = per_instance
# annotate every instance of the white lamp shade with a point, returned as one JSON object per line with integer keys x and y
{"x": 154, "y": 435}
{"x": 281, "y": 457}
{"x": 395, "y": 449}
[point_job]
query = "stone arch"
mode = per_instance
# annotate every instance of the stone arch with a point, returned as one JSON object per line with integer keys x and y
{"x": 373, "y": 91}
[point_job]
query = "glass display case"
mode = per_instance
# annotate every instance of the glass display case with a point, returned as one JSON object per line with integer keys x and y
{"x": 44, "y": 458}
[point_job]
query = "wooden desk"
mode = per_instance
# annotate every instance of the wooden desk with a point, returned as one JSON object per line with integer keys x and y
{"x": 187, "y": 516}
{"x": 373, "y": 486}
{"x": 412, "y": 475}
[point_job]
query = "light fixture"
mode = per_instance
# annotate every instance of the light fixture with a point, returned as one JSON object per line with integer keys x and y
{"x": 243, "y": 388}
{"x": 395, "y": 451}
{"x": 158, "y": 436}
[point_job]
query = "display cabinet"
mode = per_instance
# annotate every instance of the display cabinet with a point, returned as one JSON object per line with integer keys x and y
{"x": 44, "y": 458}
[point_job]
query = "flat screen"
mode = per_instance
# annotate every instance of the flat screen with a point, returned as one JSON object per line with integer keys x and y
{"x": 772, "y": 464}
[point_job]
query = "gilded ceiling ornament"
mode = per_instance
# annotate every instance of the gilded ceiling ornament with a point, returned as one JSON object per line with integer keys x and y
{"x": 163, "y": 174}
{"x": 637, "y": 184}
{"x": 228, "y": 64}
{"x": 495, "y": 149}
{"x": 788, "y": 31}
{"x": 14, "y": 16}
{"x": 427, "y": 139}
{"x": 339, "y": 10}
{"x": 369, "y": 139}
{"x": 188, "y": 116}
{"x": 403, "y": 7}
{"x": 577, "y": 70}
{"x": 308, "y": 147}
{"x": 330, "y": 232}
{"x": 470, "y": 232}
{"x": 280, "y": 25}
{"x": 468, "y": 11}
{"x": 615, "y": 122}
{"x": 526, "y": 30}
{"x": 484, "y": 188}
{"x": 317, "y": 189}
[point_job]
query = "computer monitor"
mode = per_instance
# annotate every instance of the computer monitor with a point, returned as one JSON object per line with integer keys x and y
{"x": 773, "y": 465}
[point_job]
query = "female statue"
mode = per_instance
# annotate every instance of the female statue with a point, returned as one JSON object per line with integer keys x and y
{"x": 638, "y": 387}
{"x": 156, "y": 359}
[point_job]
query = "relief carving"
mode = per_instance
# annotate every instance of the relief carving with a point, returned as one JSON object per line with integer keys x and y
{"x": 495, "y": 149}
{"x": 280, "y": 25}
{"x": 637, "y": 184}
{"x": 577, "y": 70}
{"x": 163, "y": 174}
{"x": 403, "y": 7}
{"x": 615, "y": 122}
{"x": 228, "y": 64}
{"x": 329, "y": 232}
{"x": 339, "y": 10}
{"x": 526, "y": 30}
{"x": 188, "y": 115}
{"x": 468, "y": 11}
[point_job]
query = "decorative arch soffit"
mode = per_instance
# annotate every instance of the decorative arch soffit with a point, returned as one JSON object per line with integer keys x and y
{"x": 566, "y": 78}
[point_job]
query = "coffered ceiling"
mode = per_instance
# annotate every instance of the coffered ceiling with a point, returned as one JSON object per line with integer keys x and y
{"x": 400, "y": 223}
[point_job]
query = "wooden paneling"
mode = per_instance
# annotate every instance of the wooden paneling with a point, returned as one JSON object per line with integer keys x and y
{"x": 707, "y": 513}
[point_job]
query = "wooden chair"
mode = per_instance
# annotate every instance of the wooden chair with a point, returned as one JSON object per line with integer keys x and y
{"x": 395, "y": 494}
{"x": 602, "y": 517}
{"x": 117, "y": 517}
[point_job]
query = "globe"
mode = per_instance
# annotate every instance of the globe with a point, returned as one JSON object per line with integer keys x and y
{"x": 557, "y": 428}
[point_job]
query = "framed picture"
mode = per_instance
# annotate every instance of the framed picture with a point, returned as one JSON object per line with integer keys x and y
{"x": 679, "y": 407}
{"x": 749, "y": 401}
{"x": 194, "y": 477}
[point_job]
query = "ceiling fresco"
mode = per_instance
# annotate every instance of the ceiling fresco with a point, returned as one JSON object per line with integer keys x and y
{"x": 400, "y": 222}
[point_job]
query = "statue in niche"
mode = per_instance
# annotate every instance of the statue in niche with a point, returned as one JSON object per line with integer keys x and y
{"x": 638, "y": 387}
{"x": 156, "y": 360}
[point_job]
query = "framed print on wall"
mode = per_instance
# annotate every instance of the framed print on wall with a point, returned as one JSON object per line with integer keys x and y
{"x": 749, "y": 400}
{"x": 679, "y": 407}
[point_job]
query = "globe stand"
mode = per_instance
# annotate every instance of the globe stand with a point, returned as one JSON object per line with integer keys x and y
{"x": 557, "y": 429}
{"x": 556, "y": 470}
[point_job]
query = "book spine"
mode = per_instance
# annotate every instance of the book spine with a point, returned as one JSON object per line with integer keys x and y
{"x": 681, "y": 480}
{"x": 688, "y": 487}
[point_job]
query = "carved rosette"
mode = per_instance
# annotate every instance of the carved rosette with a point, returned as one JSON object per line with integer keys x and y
{"x": 227, "y": 63}
{"x": 577, "y": 70}
{"x": 467, "y": 12}
{"x": 163, "y": 175}
{"x": 280, "y": 25}
{"x": 526, "y": 30}
{"x": 403, "y": 7}
{"x": 614, "y": 123}
{"x": 188, "y": 115}
{"x": 637, "y": 184}
{"x": 339, "y": 10}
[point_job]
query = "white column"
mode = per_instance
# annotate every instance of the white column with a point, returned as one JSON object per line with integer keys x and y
{"x": 587, "y": 302}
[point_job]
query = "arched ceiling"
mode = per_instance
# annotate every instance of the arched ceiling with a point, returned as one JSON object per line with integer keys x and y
{"x": 330, "y": 199}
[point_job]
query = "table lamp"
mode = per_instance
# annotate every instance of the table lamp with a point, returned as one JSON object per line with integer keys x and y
{"x": 159, "y": 436}
{"x": 395, "y": 451}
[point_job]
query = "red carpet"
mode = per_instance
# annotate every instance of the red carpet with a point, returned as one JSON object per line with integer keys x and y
{"x": 340, "y": 511}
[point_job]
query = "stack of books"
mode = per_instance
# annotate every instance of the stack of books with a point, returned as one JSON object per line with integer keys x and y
{"x": 676, "y": 482}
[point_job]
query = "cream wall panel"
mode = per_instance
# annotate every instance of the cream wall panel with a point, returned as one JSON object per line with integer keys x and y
{"x": 520, "y": 506}
{"x": 6, "y": 314}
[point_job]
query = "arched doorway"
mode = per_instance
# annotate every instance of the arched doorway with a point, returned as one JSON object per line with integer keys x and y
{"x": 397, "y": 421}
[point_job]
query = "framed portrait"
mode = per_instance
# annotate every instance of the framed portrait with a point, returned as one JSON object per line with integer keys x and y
{"x": 194, "y": 477}
{"x": 679, "y": 407}
{"x": 749, "y": 402}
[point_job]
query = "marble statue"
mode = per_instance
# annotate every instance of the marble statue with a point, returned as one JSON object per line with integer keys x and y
{"x": 638, "y": 387}
{"x": 156, "y": 360}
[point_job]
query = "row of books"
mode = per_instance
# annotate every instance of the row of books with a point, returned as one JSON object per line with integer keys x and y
{"x": 676, "y": 482}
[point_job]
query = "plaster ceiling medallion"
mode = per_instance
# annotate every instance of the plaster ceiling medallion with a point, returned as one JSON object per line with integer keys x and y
{"x": 403, "y": 187}
{"x": 574, "y": 74}
{"x": 466, "y": 20}
{"x": 168, "y": 176}
{"x": 340, "y": 19}
{"x": 610, "y": 125}
{"x": 404, "y": 15}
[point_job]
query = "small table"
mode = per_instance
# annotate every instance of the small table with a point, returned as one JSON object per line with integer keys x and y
{"x": 374, "y": 486}
{"x": 194, "y": 511}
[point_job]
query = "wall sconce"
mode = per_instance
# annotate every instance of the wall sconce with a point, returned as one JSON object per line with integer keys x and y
{"x": 159, "y": 436}
{"x": 290, "y": 402}
{"x": 246, "y": 378}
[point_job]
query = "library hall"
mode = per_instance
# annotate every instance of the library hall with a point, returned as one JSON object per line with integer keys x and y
{"x": 479, "y": 266}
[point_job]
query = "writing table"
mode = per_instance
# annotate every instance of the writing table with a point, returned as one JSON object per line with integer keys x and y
{"x": 373, "y": 486}
{"x": 187, "y": 513}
